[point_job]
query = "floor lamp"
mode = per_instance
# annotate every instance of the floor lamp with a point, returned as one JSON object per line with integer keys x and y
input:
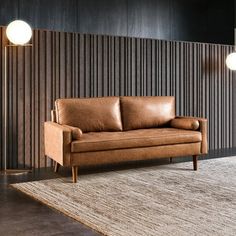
{"x": 19, "y": 34}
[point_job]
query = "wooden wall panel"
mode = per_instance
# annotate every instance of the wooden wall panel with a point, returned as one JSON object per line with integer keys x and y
{"x": 81, "y": 65}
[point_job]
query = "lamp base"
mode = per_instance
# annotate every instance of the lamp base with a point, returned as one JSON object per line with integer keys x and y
{"x": 15, "y": 172}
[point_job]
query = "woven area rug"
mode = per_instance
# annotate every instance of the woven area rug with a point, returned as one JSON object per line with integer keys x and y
{"x": 160, "y": 200}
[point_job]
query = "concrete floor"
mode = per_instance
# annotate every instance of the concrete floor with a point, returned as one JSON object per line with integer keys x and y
{"x": 22, "y": 216}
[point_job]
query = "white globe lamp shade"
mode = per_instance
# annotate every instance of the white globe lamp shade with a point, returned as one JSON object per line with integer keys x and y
{"x": 19, "y": 32}
{"x": 231, "y": 61}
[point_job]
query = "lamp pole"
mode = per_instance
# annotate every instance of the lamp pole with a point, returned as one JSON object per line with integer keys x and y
{"x": 5, "y": 108}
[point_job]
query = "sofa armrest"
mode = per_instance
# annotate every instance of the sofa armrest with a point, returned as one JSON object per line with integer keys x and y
{"x": 192, "y": 117}
{"x": 203, "y": 130}
{"x": 57, "y": 139}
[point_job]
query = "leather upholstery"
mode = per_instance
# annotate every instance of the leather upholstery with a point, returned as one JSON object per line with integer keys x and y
{"x": 57, "y": 140}
{"x": 203, "y": 130}
{"x": 75, "y": 132}
{"x": 97, "y": 141}
{"x": 104, "y": 114}
{"x": 191, "y": 124}
{"x": 133, "y": 154}
{"x": 146, "y": 112}
{"x": 90, "y": 114}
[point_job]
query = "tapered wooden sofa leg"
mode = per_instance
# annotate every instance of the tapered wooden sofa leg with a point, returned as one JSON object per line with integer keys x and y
{"x": 195, "y": 158}
{"x": 171, "y": 160}
{"x": 74, "y": 173}
{"x": 56, "y": 167}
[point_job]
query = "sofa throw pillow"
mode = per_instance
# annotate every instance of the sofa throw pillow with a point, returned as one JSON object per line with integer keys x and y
{"x": 191, "y": 124}
{"x": 76, "y": 132}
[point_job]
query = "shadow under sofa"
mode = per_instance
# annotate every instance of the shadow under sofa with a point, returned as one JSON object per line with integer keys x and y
{"x": 91, "y": 131}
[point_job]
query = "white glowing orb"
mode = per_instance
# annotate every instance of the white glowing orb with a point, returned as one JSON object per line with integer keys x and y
{"x": 231, "y": 61}
{"x": 19, "y": 32}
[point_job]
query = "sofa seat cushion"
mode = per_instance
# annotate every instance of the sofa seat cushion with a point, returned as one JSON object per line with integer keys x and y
{"x": 100, "y": 141}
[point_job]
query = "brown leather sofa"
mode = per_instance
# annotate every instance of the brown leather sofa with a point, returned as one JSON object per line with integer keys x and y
{"x": 92, "y": 131}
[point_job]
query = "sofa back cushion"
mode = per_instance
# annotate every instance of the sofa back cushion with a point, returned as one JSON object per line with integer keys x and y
{"x": 147, "y": 112}
{"x": 90, "y": 114}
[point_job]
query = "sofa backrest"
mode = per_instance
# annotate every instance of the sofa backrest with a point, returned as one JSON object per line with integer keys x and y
{"x": 90, "y": 114}
{"x": 146, "y": 112}
{"x": 115, "y": 113}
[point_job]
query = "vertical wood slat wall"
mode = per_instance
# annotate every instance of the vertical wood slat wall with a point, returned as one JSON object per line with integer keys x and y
{"x": 77, "y": 65}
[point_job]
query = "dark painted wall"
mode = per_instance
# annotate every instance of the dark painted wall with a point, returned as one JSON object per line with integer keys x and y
{"x": 186, "y": 20}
